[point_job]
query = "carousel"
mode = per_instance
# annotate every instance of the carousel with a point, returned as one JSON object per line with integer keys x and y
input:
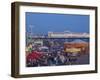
{"x": 76, "y": 47}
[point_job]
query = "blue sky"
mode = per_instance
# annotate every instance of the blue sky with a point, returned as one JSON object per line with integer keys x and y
{"x": 43, "y": 22}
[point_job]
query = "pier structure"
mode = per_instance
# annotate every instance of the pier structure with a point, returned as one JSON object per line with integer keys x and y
{"x": 67, "y": 35}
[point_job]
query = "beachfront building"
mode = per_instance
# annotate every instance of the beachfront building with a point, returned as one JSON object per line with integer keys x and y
{"x": 38, "y": 42}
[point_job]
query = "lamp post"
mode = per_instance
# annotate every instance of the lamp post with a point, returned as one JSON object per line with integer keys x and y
{"x": 29, "y": 34}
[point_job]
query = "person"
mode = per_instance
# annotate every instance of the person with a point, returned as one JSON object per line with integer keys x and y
{"x": 29, "y": 47}
{"x": 33, "y": 57}
{"x": 61, "y": 59}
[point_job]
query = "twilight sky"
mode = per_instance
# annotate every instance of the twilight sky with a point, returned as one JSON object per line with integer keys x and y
{"x": 41, "y": 23}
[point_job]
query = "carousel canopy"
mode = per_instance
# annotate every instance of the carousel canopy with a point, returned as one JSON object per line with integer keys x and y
{"x": 78, "y": 41}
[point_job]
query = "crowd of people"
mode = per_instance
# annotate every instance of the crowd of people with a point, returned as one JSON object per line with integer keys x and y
{"x": 52, "y": 55}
